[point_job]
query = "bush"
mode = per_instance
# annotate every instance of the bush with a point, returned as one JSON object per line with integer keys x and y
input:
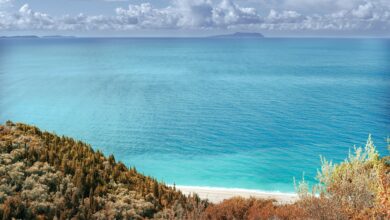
{"x": 241, "y": 208}
{"x": 47, "y": 176}
{"x": 356, "y": 188}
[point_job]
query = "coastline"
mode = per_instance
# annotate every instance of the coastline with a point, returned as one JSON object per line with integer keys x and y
{"x": 218, "y": 194}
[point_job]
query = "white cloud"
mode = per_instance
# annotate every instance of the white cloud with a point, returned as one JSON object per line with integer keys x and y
{"x": 228, "y": 13}
{"x": 25, "y": 9}
{"x": 145, "y": 16}
{"x": 207, "y": 14}
{"x": 26, "y": 18}
{"x": 196, "y": 13}
{"x": 189, "y": 14}
{"x": 284, "y": 17}
{"x": 364, "y": 11}
{"x": 320, "y": 6}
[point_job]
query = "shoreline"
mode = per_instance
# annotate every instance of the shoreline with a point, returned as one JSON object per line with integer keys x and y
{"x": 218, "y": 194}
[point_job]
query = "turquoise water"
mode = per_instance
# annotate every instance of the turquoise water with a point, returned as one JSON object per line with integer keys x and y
{"x": 204, "y": 112}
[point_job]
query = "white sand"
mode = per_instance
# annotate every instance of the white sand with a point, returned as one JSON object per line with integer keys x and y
{"x": 215, "y": 194}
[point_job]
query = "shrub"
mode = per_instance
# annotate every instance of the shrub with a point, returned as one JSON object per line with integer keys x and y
{"x": 45, "y": 176}
{"x": 356, "y": 188}
{"x": 252, "y": 209}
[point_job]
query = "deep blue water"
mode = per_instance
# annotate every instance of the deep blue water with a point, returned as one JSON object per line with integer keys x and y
{"x": 205, "y": 112}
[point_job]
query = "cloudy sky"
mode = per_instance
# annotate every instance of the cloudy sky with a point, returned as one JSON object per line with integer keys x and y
{"x": 352, "y": 18}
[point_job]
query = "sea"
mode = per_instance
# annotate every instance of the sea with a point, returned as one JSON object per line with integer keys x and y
{"x": 229, "y": 113}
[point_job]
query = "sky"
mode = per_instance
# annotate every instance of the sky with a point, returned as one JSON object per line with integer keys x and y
{"x": 187, "y": 18}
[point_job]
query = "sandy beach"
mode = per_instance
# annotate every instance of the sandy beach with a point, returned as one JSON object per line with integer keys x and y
{"x": 215, "y": 194}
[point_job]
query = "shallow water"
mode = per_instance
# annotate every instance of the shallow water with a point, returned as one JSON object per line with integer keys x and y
{"x": 205, "y": 112}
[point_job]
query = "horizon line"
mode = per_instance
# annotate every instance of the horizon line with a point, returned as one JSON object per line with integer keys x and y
{"x": 32, "y": 36}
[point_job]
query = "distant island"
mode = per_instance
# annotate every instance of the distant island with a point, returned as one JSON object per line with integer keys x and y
{"x": 19, "y": 37}
{"x": 240, "y": 35}
{"x": 34, "y": 37}
{"x": 57, "y": 36}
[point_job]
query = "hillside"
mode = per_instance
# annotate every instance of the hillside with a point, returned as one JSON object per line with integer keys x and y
{"x": 45, "y": 176}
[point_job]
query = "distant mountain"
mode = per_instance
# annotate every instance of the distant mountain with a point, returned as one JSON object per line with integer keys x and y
{"x": 58, "y": 36}
{"x": 23, "y": 36}
{"x": 34, "y": 37}
{"x": 239, "y": 35}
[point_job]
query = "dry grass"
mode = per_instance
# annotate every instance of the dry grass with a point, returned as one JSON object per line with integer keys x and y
{"x": 240, "y": 208}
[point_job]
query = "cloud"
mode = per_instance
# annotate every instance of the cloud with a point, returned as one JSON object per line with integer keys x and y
{"x": 26, "y": 18}
{"x": 284, "y": 17}
{"x": 189, "y": 14}
{"x": 364, "y": 11}
{"x": 5, "y": 4}
{"x": 206, "y": 14}
{"x": 228, "y": 13}
{"x": 320, "y": 6}
{"x": 197, "y": 13}
{"x": 145, "y": 16}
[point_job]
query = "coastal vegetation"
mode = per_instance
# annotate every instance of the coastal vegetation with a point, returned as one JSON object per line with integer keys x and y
{"x": 45, "y": 176}
{"x": 357, "y": 188}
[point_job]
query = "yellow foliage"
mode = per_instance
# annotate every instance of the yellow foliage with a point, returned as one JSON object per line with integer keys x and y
{"x": 357, "y": 187}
